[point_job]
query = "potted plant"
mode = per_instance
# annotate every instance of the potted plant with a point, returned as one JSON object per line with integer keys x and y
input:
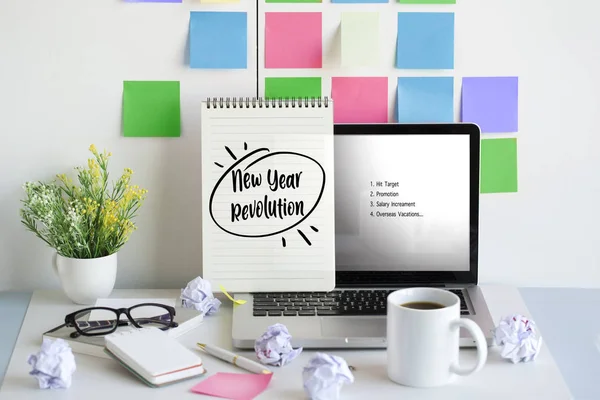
{"x": 86, "y": 223}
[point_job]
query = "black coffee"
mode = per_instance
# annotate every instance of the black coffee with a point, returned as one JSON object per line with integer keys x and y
{"x": 423, "y": 305}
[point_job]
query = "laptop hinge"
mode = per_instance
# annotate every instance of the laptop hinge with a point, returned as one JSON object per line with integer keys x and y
{"x": 393, "y": 285}
{"x": 458, "y": 285}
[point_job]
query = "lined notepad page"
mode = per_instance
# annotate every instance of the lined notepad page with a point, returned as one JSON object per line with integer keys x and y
{"x": 268, "y": 205}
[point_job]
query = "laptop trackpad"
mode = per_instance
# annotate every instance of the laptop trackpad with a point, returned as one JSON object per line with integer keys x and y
{"x": 353, "y": 327}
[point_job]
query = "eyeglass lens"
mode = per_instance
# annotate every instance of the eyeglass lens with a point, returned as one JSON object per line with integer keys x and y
{"x": 104, "y": 323}
{"x": 150, "y": 316}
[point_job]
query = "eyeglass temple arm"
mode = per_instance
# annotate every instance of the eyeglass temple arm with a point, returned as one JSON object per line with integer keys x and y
{"x": 86, "y": 325}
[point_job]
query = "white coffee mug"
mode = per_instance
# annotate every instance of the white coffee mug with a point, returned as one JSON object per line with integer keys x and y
{"x": 423, "y": 344}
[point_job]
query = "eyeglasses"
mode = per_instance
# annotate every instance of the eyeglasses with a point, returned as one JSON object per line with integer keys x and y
{"x": 107, "y": 319}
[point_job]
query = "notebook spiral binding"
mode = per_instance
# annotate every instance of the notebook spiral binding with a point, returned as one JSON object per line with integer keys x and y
{"x": 260, "y": 102}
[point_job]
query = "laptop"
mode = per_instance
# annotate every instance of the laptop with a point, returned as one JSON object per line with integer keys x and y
{"x": 406, "y": 215}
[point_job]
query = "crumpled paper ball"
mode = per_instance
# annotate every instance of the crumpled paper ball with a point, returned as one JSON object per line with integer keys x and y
{"x": 324, "y": 377}
{"x": 199, "y": 296}
{"x": 274, "y": 347}
{"x": 54, "y": 365}
{"x": 519, "y": 338}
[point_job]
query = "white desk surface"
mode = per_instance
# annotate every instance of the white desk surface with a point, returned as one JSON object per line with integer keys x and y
{"x": 98, "y": 378}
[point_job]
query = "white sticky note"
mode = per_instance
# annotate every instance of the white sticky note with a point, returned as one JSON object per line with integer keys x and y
{"x": 360, "y": 39}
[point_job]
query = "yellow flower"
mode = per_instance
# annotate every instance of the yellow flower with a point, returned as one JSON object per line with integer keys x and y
{"x": 104, "y": 156}
{"x": 68, "y": 182}
{"x": 94, "y": 173}
{"x": 127, "y": 227}
{"x": 109, "y": 215}
{"x": 126, "y": 177}
{"x": 91, "y": 207}
{"x": 131, "y": 193}
{"x": 93, "y": 149}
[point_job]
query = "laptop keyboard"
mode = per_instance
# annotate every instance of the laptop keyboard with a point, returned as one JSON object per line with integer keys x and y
{"x": 337, "y": 302}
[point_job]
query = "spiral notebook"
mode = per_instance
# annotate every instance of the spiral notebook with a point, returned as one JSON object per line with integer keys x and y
{"x": 153, "y": 356}
{"x": 267, "y": 188}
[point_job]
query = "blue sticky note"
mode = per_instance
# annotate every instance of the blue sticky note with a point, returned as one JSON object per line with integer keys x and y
{"x": 218, "y": 40}
{"x": 425, "y": 40}
{"x": 425, "y": 99}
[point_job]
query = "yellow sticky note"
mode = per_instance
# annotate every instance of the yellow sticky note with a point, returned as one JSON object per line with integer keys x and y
{"x": 360, "y": 39}
{"x": 219, "y": 1}
{"x": 230, "y": 297}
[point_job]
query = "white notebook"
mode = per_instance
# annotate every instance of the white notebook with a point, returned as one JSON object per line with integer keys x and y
{"x": 186, "y": 318}
{"x": 154, "y": 356}
{"x": 267, "y": 188}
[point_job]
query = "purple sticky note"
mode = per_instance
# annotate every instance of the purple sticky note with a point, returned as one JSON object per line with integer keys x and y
{"x": 492, "y": 103}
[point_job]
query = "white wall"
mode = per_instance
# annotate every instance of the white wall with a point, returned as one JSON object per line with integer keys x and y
{"x": 62, "y": 64}
{"x": 546, "y": 234}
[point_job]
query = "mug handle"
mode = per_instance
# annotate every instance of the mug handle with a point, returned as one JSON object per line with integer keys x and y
{"x": 480, "y": 342}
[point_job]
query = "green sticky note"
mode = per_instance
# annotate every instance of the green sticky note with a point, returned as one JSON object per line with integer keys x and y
{"x": 360, "y": 39}
{"x": 427, "y": 1}
{"x": 292, "y": 87}
{"x": 499, "y": 165}
{"x": 151, "y": 109}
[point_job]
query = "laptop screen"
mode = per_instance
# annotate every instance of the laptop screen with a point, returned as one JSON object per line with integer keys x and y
{"x": 402, "y": 202}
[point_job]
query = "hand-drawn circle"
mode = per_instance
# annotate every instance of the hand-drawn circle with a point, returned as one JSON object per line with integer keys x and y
{"x": 212, "y": 195}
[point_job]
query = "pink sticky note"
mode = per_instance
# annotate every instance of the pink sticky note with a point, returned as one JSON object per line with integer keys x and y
{"x": 233, "y": 386}
{"x": 360, "y": 100}
{"x": 293, "y": 40}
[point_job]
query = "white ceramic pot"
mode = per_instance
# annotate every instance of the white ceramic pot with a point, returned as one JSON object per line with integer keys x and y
{"x": 86, "y": 280}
